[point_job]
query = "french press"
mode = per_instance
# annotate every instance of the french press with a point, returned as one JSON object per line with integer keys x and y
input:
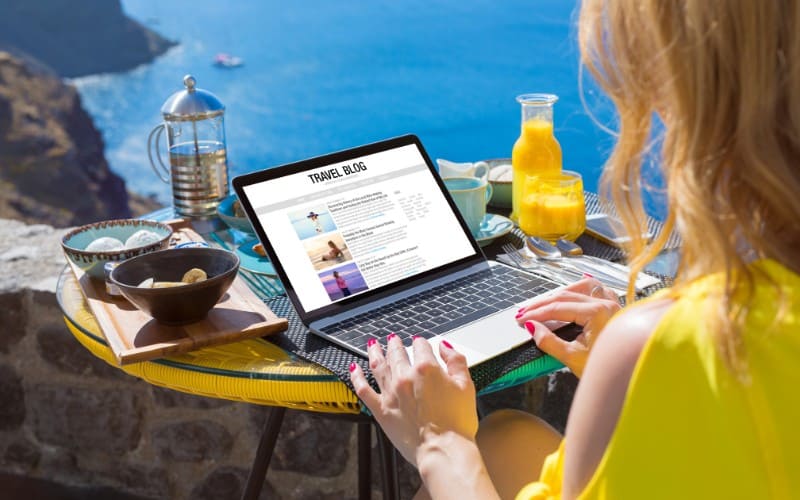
{"x": 198, "y": 169}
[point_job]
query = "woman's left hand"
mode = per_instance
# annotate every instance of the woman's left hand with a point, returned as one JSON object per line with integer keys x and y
{"x": 418, "y": 401}
{"x": 586, "y": 303}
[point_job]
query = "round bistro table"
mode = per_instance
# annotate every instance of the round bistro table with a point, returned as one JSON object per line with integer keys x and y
{"x": 259, "y": 372}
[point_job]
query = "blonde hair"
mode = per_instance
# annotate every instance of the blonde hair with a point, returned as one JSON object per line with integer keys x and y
{"x": 724, "y": 77}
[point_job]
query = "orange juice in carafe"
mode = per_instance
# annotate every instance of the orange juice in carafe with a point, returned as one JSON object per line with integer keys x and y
{"x": 537, "y": 151}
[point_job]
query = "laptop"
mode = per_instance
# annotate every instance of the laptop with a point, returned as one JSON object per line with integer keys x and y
{"x": 367, "y": 242}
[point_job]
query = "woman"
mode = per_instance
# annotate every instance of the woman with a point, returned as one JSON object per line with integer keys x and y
{"x": 335, "y": 253}
{"x": 689, "y": 394}
{"x": 341, "y": 283}
{"x": 314, "y": 217}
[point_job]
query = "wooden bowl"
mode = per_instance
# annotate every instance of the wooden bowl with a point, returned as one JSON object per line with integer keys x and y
{"x": 178, "y": 305}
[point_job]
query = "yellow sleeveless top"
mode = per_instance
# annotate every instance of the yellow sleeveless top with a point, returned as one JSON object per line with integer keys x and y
{"x": 688, "y": 427}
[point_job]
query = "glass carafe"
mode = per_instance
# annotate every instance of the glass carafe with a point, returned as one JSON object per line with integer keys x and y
{"x": 537, "y": 151}
{"x": 198, "y": 168}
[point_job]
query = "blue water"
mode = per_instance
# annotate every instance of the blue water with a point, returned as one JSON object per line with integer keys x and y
{"x": 321, "y": 76}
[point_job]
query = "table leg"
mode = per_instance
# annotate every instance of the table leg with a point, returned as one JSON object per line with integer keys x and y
{"x": 258, "y": 472}
{"x": 364, "y": 460}
{"x": 391, "y": 486}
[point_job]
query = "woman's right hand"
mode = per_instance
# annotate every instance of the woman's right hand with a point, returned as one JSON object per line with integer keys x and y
{"x": 586, "y": 303}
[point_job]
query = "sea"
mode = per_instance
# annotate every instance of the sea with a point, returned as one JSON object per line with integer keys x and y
{"x": 320, "y": 76}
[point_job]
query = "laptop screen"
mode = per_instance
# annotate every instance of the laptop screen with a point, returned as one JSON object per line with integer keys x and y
{"x": 345, "y": 228}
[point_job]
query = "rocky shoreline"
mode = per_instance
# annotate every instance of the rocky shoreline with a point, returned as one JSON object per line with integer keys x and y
{"x": 77, "y": 38}
{"x": 52, "y": 164}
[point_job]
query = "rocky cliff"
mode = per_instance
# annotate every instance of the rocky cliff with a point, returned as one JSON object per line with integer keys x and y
{"x": 77, "y": 38}
{"x": 52, "y": 167}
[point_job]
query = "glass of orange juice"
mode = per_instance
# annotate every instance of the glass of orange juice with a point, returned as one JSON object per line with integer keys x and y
{"x": 552, "y": 206}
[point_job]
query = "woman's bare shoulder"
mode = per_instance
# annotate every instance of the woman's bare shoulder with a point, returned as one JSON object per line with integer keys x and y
{"x": 601, "y": 393}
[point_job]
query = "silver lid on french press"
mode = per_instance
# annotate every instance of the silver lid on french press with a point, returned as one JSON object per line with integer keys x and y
{"x": 191, "y": 104}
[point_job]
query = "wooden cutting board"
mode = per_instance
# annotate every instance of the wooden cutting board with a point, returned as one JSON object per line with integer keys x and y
{"x": 135, "y": 336}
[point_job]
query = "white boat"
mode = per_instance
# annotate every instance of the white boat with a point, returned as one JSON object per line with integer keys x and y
{"x": 224, "y": 60}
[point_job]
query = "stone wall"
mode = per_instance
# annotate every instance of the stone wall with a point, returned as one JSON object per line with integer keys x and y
{"x": 70, "y": 418}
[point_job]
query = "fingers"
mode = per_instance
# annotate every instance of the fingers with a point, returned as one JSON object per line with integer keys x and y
{"x": 580, "y": 312}
{"x": 377, "y": 363}
{"x": 580, "y": 290}
{"x": 455, "y": 361}
{"x": 396, "y": 355}
{"x": 363, "y": 390}
{"x": 573, "y": 305}
{"x": 550, "y": 343}
{"x": 589, "y": 286}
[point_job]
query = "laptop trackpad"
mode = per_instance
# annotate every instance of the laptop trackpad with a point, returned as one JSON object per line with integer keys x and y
{"x": 488, "y": 337}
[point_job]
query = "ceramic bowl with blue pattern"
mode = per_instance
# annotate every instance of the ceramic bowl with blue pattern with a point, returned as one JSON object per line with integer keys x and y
{"x": 91, "y": 261}
{"x": 234, "y": 220}
{"x": 500, "y": 179}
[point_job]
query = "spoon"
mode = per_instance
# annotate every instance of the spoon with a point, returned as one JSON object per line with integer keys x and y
{"x": 542, "y": 248}
{"x": 568, "y": 248}
{"x": 546, "y": 251}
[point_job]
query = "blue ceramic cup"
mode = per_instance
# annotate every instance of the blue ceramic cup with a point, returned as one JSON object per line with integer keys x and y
{"x": 471, "y": 195}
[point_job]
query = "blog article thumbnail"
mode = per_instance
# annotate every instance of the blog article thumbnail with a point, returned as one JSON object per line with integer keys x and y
{"x": 327, "y": 251}
{"x": 312, "y": 221}
{"x": 343, "y": 281}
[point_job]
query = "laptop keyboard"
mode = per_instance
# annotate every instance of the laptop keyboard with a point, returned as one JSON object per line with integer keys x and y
{"x": 442, "y": 308}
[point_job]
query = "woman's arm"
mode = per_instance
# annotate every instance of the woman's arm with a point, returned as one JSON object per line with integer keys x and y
{"x": 601, "y": 393}
{"x": 451, "y": 466}
{"x": 429, "y": 414}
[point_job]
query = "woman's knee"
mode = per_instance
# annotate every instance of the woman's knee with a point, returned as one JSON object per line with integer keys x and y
{"x": 504, "y": 431}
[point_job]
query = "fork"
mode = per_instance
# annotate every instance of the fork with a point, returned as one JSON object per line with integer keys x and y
{"x": 527, "y": 263}
{"x": 516, "y": 255}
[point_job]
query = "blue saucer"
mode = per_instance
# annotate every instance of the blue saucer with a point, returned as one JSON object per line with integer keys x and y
{"x": 492, "y": 227}
{"x": 249, "y": 260}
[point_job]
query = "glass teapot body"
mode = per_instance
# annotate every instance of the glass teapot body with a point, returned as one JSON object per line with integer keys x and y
{"x": 197, "y": 165}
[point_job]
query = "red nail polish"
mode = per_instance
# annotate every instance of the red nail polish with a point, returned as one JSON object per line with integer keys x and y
{"x": 530, "y": 327}
{"x": 371, "y": 342}
{"x": 390, "y": 337}
{"x": 519, "y": 314}
{"x": 447, "y": 344}
{"x": 587, "y": 275}
{"x": 352, "y": 367}
{"x": 521, "y": 310}
{"x": 415, "y": 337}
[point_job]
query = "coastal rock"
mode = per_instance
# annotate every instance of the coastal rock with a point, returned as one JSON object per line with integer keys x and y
{"x": 77, "y": 38}
{"x": 52, "y": 166}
